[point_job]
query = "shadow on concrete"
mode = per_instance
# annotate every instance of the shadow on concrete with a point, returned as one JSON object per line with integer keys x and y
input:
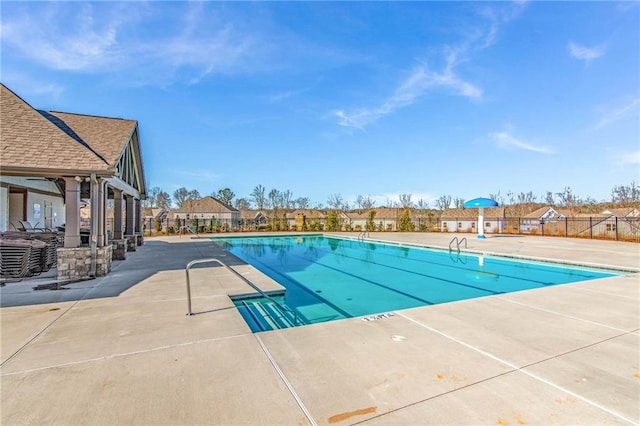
{"x": 152, "y": 257}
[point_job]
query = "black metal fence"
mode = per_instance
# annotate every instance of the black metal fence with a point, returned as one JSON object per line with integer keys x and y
{"x": 609, "y": 228}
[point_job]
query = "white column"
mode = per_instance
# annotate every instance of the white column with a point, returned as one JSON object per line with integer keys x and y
{"x": 72, "y": 213}
{"x": 481, "y": 222}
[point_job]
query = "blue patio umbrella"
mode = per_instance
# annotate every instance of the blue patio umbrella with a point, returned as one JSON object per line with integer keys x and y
{"x": 480, "y": 203}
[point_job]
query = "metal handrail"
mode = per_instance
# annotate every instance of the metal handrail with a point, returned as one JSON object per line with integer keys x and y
{"x": 362, "y": 234}
{"x": 458, "y": 242}
{"x": 256, "y": 288}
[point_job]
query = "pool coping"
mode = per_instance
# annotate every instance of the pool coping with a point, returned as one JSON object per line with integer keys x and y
{"x": 136, "y": 358}
{"x": 503, "y": 255}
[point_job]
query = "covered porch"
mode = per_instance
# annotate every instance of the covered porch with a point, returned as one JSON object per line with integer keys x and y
{"x": 79, "y": 176}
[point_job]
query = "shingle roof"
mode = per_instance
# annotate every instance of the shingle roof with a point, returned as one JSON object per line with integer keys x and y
{"x": 250, "y": 214}
{"x": 308, "y": 213}
{"x": 107, "y": 136}
{"x": 206, "y": 204}
{"x": 29, "y": 140}
{"x": 489, "y": 213}
{"x": 537, "y": 214}
{"x": 622, "y": 212}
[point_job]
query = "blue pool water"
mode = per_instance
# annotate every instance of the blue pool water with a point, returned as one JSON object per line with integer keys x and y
{"x": 330, "y": 278}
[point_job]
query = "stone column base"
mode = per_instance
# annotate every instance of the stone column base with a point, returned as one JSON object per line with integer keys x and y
{"x": 131, "y": 242}
{"x": 119, "y": 249}
{"x": 75, "y": 263}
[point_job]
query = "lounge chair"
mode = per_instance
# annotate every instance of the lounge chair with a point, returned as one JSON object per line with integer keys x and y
{"x": 26, "y": 226}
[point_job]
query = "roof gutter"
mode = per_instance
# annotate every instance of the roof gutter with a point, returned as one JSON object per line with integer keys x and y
{"x": 94, "y": 224}
{"x": 8, "y": 170}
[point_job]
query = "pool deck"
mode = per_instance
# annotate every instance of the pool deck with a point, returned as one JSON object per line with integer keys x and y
{"x": 120, "y": 350}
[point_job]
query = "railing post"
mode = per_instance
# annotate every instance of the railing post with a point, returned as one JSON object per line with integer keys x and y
{"x": 590, "y": 228}
{"x": 186, "y": 271}
{"x": 616, "y": 224}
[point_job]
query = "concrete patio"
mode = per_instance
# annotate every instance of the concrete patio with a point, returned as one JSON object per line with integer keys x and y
{"x": 120, "y": 349}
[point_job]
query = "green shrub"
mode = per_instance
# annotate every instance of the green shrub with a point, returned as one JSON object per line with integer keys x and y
{"x": 370, "y": 225}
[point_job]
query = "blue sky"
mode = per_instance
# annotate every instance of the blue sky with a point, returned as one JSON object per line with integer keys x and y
{"x": 352, "y": 98}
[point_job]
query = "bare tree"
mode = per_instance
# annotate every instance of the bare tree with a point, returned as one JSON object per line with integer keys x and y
{"x": 526, "y": 198}
{"x": 335, "y": 201}
{"x": 163, "y": 200}
{"x": 242, "y": 204}
{"x": 287, "y": 199}
{"x": 624, "y": 194}
{"x": 458, "y": 202}
{"x": 422, "y": 204}
{"x": 180, "y": 195}
{"x": 152, "y": 197}
{"x": 548, "y": 198}
{"x": 497, "y": 197}
{"x": 275, "y": 199}
{"x": 364, "y": 203}
{"x": 302, "y": 202}
{"x": 567, "y": 198}
{"x": 443, "y": 202}
{"x": 405, "y": 200}
{"x": 193, "y": 194}
{"x": 258, "y": 197}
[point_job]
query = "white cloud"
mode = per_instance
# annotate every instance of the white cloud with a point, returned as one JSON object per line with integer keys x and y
{"x": 101, "y": 38}
{"x": 585, "y": 53}
{"x": 630, "y": 158}
{"x": 65, "y": 43}
{"x": 421, "y": 79}
{"x": 506, "y": 140}
{"x": 623, "y": 110}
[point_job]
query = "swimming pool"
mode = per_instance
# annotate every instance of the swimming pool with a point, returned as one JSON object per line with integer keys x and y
{"x": 329, "y": 278}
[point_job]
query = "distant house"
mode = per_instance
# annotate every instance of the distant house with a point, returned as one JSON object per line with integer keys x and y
{"x": 358, "y": 220}
{"x": 208, "y": 209}
{"x": 618, "y": 221}
{"x": 312, "y": 219}
{"x": 466, "y": 220}
{"x": 153, "y": 213}
{"x": 531, "y": 222}
{"x": 253, "y": 219}
{"x": 150, "y": 215}
{"x": 386, "y": 218}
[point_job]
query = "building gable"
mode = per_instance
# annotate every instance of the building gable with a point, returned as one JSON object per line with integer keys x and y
{"x": 32, "y": 144}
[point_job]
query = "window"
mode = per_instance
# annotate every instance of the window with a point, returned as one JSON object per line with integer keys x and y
{"x": 459, "y": 224}
{"x": 473, "y": 225}
{"x": 611, "y": 227}
{"x": 487, "y": 224}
